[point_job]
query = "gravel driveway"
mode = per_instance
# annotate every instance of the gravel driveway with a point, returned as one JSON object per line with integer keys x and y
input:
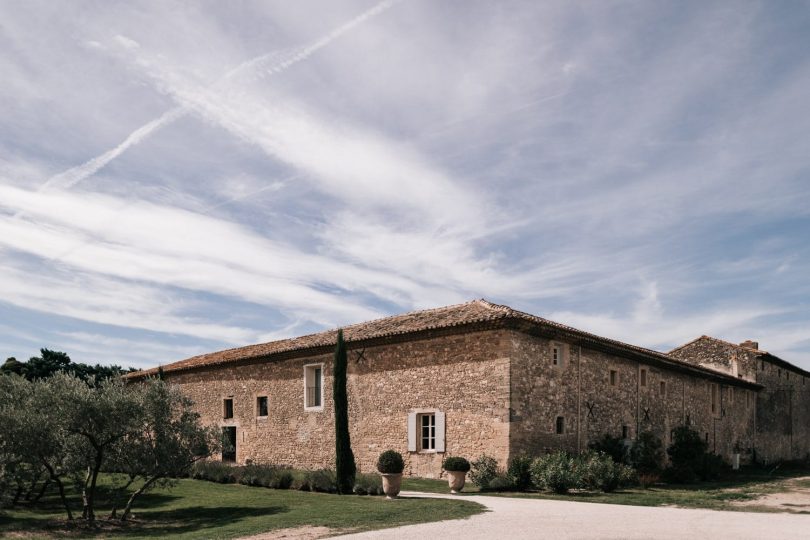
{"x": 516, "y": 519}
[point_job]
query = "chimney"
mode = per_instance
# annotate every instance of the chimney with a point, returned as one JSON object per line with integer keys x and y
{"x": 750, "y": 344}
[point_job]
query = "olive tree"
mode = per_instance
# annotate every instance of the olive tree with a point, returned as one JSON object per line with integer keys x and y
{"x": 168, "y": 440}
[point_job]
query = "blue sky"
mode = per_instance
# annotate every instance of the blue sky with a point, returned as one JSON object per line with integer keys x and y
{"x": 177, "y": 178}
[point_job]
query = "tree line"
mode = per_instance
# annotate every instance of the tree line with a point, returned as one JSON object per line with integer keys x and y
{"x": 62, "y": 430}
{"x": 49, "y": 362}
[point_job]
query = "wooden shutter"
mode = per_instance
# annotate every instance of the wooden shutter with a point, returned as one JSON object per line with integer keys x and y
{"x": 440, "y": 431}
{"x": 412, "y": 432}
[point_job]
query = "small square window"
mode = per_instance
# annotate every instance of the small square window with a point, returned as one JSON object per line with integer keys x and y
{"x": 643, "y": 377}
{"x": 614, "y": 377}
{"x": 227, "y": 408}
{"x": 261, "y": 406}
{"x": 427, "y": 424}
{"x": 560, "y": 425}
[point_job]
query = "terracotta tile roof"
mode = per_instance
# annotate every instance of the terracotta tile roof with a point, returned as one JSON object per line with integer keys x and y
{"x": 761, "y": 353}
{"x": 476, "y": 312}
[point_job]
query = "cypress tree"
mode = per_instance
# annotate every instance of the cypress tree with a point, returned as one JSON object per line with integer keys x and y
{"x": 345, "y": 468}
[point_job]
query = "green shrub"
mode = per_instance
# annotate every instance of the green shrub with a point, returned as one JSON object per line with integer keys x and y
{"x": 713, "y": 467}
{"x": 612, "y": 446}
{"x": 390, "y": 462}
{"x": 322, "y": 480}
{"x": 687, "y": 455}
{"x": 456, "y": 464}
{"x": 556, "y": 472}
{"x": 600, "y": 472}
{"x": 483, "y": 470}
{"x": 368, "y": 484}
{"x": 519, "y": 472}
{"x": 501, "y": 482}
{"x": 646, "y": 454}
{"x": 214, "y": 471}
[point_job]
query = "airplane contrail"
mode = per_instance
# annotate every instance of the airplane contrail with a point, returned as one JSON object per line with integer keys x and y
{"x": 74, "y": 175}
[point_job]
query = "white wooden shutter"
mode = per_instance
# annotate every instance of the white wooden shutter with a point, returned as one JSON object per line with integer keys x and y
{"x": 440, "y": 431}
{"x": 412, "y": 432}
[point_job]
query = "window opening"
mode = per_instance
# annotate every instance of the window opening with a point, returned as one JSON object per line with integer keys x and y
{"x": 229, "y": 449}
{"x": 613, "y": 377}
{"x": 560, "y": 425}
{"x": 428, "y": 427}
{"x": 261, "y": 406}
{"x": 314, "y": 386}
{"x": 227, "y": 408}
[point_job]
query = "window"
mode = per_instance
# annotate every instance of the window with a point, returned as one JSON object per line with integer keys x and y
{"x": 261, "y": 406}
{"x": 762, "y": 365}
{"x": 787, "y": 375}
{"x": 614, "y": 377}
{"x": 313, "y": 386}
{"x": 731, "y": 394}
{"x": 713, "y": 389}
{"x": 706, "y": 437}
{"x": 643, "y": 377}
{"x": 625, "y": 432}
{"x": 560, "y": 425}
{"x": 227, "y": 408}
{"x": 779, "y": 372}
{"x": 747, "y": 398}
{"x": 662, "y": 389}
{"x": 556, "y": 354}
{"x": 427, "y": 435}
{"x": 426, "y": 431}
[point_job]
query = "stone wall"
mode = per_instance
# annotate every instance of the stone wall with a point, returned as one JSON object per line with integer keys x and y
{"x": 466, "y": 376}
{"x": 781, "y": 407}
{"x": 581, "y": 392}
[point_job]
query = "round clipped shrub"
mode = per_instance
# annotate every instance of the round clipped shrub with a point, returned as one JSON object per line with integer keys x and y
{"x": 456, "y": 464}
{"x": 556, "y": 472}
{"x": 390, "y": 462}
{"x": 484, "y": 470}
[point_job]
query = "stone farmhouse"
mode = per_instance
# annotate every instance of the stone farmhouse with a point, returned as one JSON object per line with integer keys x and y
{"x": 481, "y": 378}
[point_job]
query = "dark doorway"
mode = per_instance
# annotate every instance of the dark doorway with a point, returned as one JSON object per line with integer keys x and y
{"x": 229, "y": 444}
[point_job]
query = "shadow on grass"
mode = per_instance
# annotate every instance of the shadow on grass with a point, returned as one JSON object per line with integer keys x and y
{"x": 143, "y": 524}
{"x": 182, "y": 520}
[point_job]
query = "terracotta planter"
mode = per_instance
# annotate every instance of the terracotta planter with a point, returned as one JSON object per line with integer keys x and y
{"x": 456, "y": 480}
{"x": 391, "y": 483}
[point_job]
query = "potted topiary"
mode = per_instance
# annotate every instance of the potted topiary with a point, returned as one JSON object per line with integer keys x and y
{"x": 456, "y": 468}
{"x": 390, "y": 465}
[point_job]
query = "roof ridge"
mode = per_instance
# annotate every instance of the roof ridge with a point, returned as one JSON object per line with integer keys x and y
{"x": 679, "y": 347}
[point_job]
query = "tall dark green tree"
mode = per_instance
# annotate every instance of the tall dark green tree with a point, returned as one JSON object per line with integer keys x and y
{"x": 345, "y": 467}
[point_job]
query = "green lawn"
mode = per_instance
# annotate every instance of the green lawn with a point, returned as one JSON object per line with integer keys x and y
{"x": 199, "y": 509}
{"x": 743, "y": 486}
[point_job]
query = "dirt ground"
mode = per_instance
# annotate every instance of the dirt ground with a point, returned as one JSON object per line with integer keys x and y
{"x": 794, "y": 498}
{"x": 294, "y": 533}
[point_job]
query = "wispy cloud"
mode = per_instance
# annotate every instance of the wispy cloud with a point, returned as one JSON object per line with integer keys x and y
{"x": 260, "y": 172}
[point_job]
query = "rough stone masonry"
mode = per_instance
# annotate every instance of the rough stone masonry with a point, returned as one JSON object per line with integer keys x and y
{"x": 481, "y": 378}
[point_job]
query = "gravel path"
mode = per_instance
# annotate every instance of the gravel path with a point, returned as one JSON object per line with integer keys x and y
{"x": 517, "y": 519}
